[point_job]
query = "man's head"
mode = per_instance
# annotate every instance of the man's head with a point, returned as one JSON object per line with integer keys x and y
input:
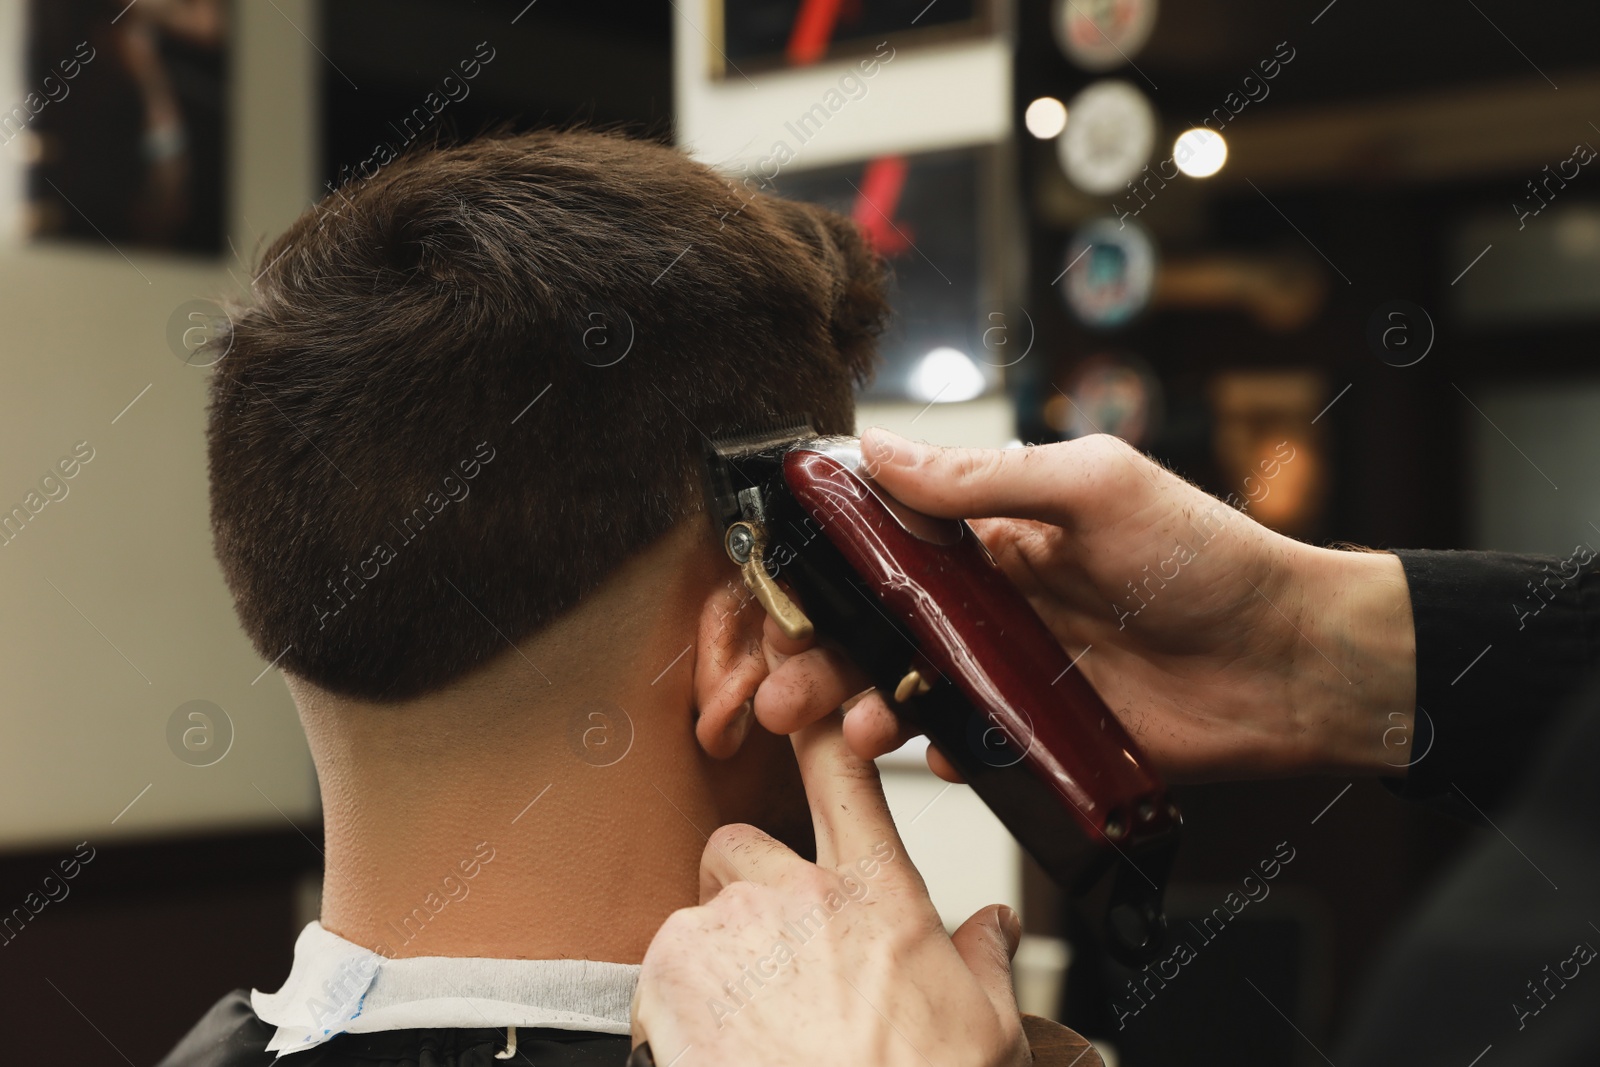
{"x": 455, "y": 449}
{"x": 472, "y": 385}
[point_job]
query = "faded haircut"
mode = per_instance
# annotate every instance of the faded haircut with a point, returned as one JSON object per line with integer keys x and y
{"x": 467, "y": 387}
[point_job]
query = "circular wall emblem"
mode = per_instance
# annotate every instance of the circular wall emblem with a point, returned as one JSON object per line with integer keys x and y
{"x": 1114, "y": 393}
{"x": 1103, "y": 34}
{"x": 1110, "y": 273}
{"x": 1111, "y": 129}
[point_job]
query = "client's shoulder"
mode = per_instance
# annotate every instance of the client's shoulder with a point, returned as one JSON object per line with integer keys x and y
{"x": 229, "y": 1035}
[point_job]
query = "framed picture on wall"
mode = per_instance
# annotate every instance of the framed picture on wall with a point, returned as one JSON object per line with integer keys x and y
{"x": 765, "y": 35}
{"x": 124, "y": 122}
{"x": 936, "y": 218}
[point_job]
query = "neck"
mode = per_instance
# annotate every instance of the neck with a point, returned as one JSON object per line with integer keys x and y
{"x": 518, "y": 847}
{"x": 522, "y": 813}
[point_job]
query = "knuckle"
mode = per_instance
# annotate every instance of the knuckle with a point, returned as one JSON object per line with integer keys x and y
{"x": 912, "y": 931}
{"x": 816, "y": 882}
{"x": 682, "y": 925}
{"x": 1109, "y": 446}
{"x": 974, "y": 466}
{"x": 732, "y": 838}
{"x": 742, "y": 898}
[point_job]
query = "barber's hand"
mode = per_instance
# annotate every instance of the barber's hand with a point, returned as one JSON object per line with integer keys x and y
{"x": 841, "y": 961}
{"x": 1227, "y": 650}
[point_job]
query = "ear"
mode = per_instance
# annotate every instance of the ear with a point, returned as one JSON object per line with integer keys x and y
{"x": 729, "y": 664}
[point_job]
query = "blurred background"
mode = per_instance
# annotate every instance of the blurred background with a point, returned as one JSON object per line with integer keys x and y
{"x": 1296, "y": 251}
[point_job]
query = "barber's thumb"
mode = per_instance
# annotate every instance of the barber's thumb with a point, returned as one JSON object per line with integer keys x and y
{"x": 986, "y": 943}
{"x": 954, "y": 483}
{"x": 885, "y": 452}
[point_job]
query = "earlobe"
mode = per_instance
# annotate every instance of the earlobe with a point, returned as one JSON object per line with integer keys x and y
{"x": 729, "y": 665}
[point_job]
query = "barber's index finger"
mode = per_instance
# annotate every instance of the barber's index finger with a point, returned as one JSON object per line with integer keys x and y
{"x": 848, "y": 811}
{"x": 1061, "y": 483}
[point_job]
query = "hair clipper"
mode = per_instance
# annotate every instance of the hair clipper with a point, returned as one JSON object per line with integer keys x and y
{"x": 957, "y": 651}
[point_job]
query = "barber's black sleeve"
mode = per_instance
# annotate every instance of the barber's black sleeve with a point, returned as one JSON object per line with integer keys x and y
{"x": 1503, "y": 641}
{"x": 1501, "y": 964}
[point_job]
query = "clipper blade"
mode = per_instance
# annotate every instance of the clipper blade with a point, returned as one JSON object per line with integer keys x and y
{"x": 727, "y": 473}
{"x": 736, "y": 447}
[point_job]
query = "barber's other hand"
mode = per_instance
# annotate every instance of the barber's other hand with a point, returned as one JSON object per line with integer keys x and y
{"x": 841, "y": 961}
{"x": 1228, "y": 650}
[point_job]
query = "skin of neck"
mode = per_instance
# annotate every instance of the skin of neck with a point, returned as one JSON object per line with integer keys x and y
{"x": 554, "y": 803}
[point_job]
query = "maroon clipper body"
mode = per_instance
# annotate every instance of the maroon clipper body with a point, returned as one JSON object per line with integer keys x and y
{"x": 957, "y": 650}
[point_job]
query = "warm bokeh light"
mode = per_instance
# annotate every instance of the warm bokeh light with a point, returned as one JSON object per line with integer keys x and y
{"x": 1200, "y": 152}
{"x": 946, "y": 375}
{"x": 1046, "y": 117}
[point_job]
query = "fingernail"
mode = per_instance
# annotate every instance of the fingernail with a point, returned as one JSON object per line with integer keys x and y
{"x": 883, "y": 448}
{"x": 641, "y": 1057}
{"x": 1010, "y": 926}
{"x": 741, "y": 725}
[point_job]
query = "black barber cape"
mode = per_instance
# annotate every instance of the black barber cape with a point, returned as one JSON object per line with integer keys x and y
{"x": 231, "y": 1035}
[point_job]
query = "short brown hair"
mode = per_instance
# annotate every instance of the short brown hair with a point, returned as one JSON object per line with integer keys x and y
{"x": 422, "y": 440}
